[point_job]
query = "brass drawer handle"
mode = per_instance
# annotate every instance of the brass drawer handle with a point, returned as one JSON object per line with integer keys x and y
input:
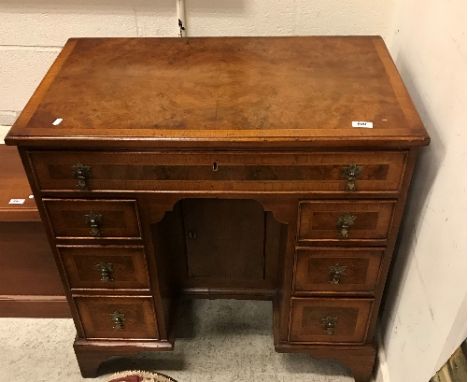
{"x": 344, "y": 223}
{"x": 350, "y": 173}
{"x": 106, "y": 270}
{"x": 337, "y": 271}
{"x": 81, "y": 173}
{"x": 94, "y": 222}
{"x": 118, "y": 320}
{"x": 329, "y": 324}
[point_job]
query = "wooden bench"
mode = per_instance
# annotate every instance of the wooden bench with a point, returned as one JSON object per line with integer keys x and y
{"x": 29, "y": 281}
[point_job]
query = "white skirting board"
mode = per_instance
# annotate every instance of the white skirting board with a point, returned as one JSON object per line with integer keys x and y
{"x": 381, "y": 374}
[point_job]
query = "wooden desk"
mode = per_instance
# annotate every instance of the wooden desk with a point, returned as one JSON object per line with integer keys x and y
{"x": 222, "y": 167}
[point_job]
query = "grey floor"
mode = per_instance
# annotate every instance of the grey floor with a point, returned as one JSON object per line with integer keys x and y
{"x": 219, "y": 340}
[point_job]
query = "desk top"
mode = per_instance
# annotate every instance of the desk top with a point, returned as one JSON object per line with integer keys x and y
{"x": 221, "y": 92}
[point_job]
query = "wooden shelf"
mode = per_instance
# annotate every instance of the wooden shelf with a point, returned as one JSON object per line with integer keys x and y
{"x": 14, "y": 185}
{"x": 29, "y": 282}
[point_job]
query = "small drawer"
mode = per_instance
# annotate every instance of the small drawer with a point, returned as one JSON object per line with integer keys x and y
{"x": 117, "y": 317}
{"x": 337, "y": 269}
{"x": 339, "y": 172}
{"x": 344, "y": 220}
{"x": 105, "y": 267}
{"x": 326, "y": 320}
{"x": 99, "y": 219}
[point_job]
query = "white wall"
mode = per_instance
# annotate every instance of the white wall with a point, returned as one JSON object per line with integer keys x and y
{"x": 425, "y": 314}
{"x": 426, "y": 308}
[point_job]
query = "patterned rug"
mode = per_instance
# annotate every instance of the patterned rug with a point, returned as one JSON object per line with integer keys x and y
{"x": 140, "y": 376}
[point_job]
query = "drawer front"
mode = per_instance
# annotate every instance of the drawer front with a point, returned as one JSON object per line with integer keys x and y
{"x": 344, "y": 220}
{"x": 326, "y": 320}
{"x": 337, "y": 269}
{"x": 117, "y": 317}
{"x": 105, "y": 267}
{"x": 349, "y": 172}
{"x": 98, "y": 219}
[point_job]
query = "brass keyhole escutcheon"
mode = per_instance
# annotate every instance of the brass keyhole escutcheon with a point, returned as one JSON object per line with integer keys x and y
{"x": 215, "y": 167}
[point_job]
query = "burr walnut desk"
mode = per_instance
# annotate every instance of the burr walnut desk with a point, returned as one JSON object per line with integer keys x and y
{"x": 250, "y": 168}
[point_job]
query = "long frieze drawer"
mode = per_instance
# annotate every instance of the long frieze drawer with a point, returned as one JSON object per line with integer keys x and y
{"x": 344, "y": 220}
{"x": 117, "y": 317}
{"x": 326, "y": 320}
{"x": 320, "y": 171}
{"x": 335, "y": 270}
{"x": 99, "y": 219}
{"x": 105, "y": 267}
